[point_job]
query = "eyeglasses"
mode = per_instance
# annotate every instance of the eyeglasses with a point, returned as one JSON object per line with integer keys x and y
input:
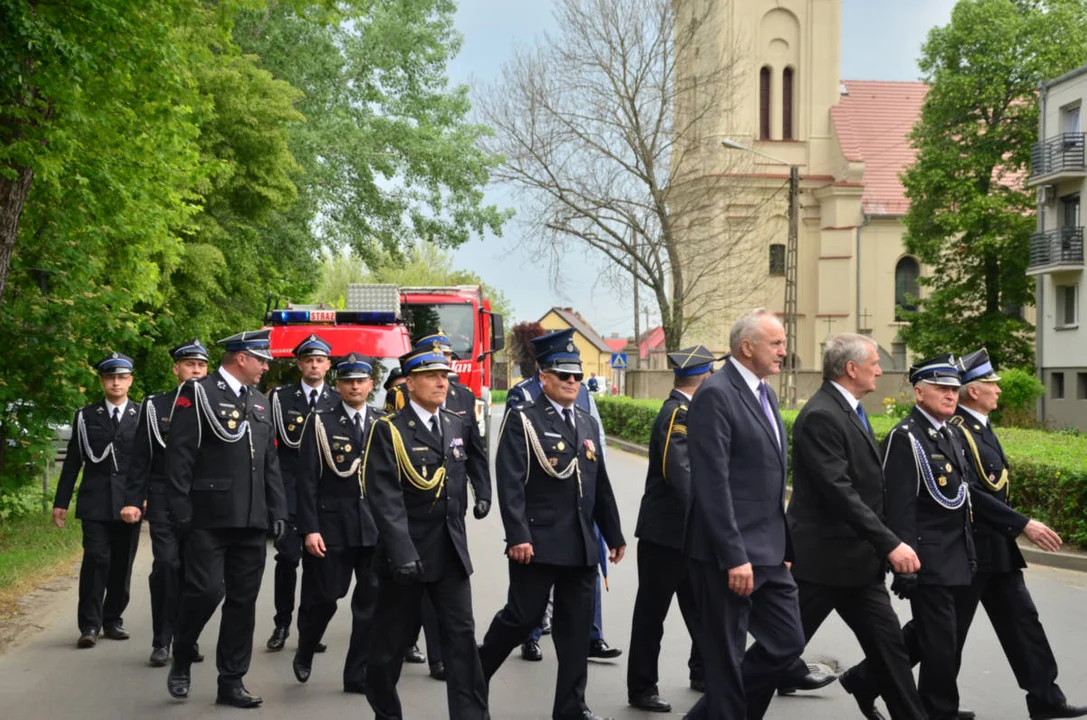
{"x": 567, "y": 376}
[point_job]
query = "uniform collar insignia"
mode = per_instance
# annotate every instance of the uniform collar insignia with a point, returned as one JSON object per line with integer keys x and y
{"x": 131, "y": 410}
{"x": 932, "y": 433}
{"x": 343, "y": 420}
{"x": 100, "y": 410}
{"x": 298, "y": 392}
{"x": 221, "y": 385}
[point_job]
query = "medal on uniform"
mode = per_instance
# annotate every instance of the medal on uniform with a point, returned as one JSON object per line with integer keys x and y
{"x": 231, "y": 424}
{"x": 561, "y": 446}
{"x": 947, "y": 468}
{"x": 977, "y": 427}
{"x": 339, "y": 458}
{"x": 589, "y": 447}
{"x": 992, "y": 477}
{"x": 942, "y": 481}
{"x": 335, "y": 446}
{"x": 235, "y": 414}
{"x": 289, "y": 427}
{"x": 411, "y": 423}
{"x": 553, "y": 461}
{"x": 347, "y": 448}
{"x": 424, "y": 471}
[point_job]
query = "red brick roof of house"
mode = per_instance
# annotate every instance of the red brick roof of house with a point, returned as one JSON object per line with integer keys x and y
{"x": 617, "y": 345}
{"x": 872, "y": 122}
{"x": 655, "y": 340}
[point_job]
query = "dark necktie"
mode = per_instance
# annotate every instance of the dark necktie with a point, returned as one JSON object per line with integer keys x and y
{"x": 358, "y": 426}
{"x": 864, "y": 417}
{"x": 241, "y": 391}
{"x": 116, "y": 418}
{"x": 764, "y": 400}
{"x": 945, "y": 434}
{"x": 313, "y": 399}
{"x": 434, "y": 427}
{"x": 568, "y": 418}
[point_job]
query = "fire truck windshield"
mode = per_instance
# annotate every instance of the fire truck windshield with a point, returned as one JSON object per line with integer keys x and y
{"x": 457, "y": 321}
{"x": 284, "y": 371}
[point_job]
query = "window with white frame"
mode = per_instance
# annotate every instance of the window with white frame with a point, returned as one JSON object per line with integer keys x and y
{"x": 1067, "y": 308}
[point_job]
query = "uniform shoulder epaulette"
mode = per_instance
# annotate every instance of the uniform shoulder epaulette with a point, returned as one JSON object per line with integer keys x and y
{"x": 449, "y": 412}
{"x": 583, "y": 410}
{"x": 683, "y": 407}
{"x": 524, "y": 406}
{"x": 956, "y": 420}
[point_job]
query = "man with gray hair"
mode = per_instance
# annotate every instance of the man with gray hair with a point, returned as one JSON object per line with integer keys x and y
{"x": 836, "y": 517}
{"x": 736, "y": 539}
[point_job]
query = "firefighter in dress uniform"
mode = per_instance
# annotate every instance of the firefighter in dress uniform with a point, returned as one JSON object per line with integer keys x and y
{"x": 291, "y": 405}
{"x": 662, "y": 567}
{"x": 335, "y": 523}
{"x": 101, "y": 446}
{"x": 416, "y": 478}
{"x": 145, "y": 497}
{"x": 553, "y": 487}
{"x": 224, "y": 492}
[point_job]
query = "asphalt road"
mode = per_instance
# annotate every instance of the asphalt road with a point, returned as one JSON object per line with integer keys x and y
{"x": 45, "y": 677}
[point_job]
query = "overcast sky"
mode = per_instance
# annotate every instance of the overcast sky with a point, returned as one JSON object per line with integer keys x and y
{"x": 881, "y": 41}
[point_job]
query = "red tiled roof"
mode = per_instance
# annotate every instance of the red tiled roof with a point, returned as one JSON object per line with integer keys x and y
{"x": 655, "y": 338}
{"x": 872, "y": 123}
{"x": 617, "y": 344}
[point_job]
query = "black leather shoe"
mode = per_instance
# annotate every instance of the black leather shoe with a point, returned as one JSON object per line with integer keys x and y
{"x": 531, "y": 651}
{"x": 115, "y": 632}
{"x": 602, "y": 651}
{"x": 237, "y": 696}
{"x": 357, "y": 688}
{"x": 698, "y": 685}
{"x": 650, "y": 703}
{"x": 87, "y": 640}
{"x": 178, "y": 680}
{"x": 587, "y": 714}
{"x": 1063, "y": 710}
{"x": 278, "y": 639}
{"x": 965, "y": 714}
{"x": 159, "y": 657}
{"x": 302, "y": 667}
{"x": 437, "y": 671}
{"x": 197, "y": 656}
{"x": 866, "y": 701}
{"x": 321, "y": 647}
{"x": 814, "y": 680}
{"x": 545, "y": 628}
{"x": 413, "y": 656}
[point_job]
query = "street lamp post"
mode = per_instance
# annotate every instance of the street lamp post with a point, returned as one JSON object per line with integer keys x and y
{"x": 787, "y": 388}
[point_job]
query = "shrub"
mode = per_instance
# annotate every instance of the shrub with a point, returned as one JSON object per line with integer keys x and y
{"x": 498, "y": 396}
{"x": 1020, "y": 390}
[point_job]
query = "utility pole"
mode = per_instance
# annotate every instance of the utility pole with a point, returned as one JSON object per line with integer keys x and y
{"x": 788, "y": 377}
{"x": 637, "y": 336}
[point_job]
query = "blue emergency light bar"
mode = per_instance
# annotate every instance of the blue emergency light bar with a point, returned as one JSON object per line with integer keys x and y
{"x": 331, "y": 317}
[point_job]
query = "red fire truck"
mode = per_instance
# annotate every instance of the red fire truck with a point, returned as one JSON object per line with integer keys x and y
{"x": 381, "y": 320}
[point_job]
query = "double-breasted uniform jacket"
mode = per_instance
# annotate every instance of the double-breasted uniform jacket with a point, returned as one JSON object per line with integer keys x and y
{"x": 837, "y": 511}
{"x": 553, "y": 485}
{"x": 419, "y": 513}
{"x": 330, "y": 499}
{"x": 997, "y": 524}
{"x": 104, "y": 454}
{"x": 222, "y": 466}
{"x": 147, "y": 471}
{"x": 460, "y": 400}
{"x": 928, "y": 499}
{"x": 290, "y": 408}
{"x": 668, "y": 480}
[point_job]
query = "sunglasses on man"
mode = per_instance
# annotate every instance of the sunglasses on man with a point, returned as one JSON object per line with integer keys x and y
{"x": 567, "y": 376}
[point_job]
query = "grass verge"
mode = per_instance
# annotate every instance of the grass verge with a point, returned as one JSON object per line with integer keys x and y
{"x": 33, "y": 550}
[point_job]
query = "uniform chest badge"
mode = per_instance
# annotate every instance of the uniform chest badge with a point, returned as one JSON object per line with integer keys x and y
{"x": 561, "y": 446}
{"x": 221, "y": 385}
{"x": 553, "y": 461}
{"x": 235, "y": 414}
{"x": 992, "y": 477}
{"x": 977, "y": 427}
{"x": 231, "y": 424}
{"x": 942, "y": 481}
{"x": 347, "y": 448}
{"x": 335, "y": 446}
{"x": 290, "y": 428}
{"x": 932, "y": 433}
{"x": 260, "y": 408}
{"x": 339, "y": 458}
{"x": 947, "y": 468}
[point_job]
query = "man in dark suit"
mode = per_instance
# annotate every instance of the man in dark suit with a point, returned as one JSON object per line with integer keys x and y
{"x": 662, "y": 569}
{"x": 145, "y": 496}
{"x": 335, "y": 521}
{"x": 836, "y": 517}
{"x": 736, "y": 540}
{"x": 223, "y": 494}
{"x": 998, "y": 583}
{"x": 416, "y": 478}
{"x": 291, "y": 405}
{"x": 101, "y": 446}
{"x": 552, "y": 487}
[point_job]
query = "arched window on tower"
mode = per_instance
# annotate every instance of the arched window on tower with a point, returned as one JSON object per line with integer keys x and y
{"x": 907, "y": 289}
{"x": 787, "y": 104}
{"x": 764, "y": 103}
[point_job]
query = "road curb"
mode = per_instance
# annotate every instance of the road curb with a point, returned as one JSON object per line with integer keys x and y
{"x": 1063, "y": 560}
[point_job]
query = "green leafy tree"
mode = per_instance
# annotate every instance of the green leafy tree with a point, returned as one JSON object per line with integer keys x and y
{"x": 970, "y": 216}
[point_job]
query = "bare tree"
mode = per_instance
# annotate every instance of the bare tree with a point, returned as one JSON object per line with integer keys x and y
{"x": 610, "y": 131}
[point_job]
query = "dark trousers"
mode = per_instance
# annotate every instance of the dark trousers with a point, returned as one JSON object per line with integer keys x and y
{"x": 288, "y": 556}
{"x": 572, "y": 620}
{"x": 326, "y": 580}
{"x": 105, "y": 576}
{"x": 428, "y": 624}
{"x": 395, "y": 620}
{"x": 934, "y": 637}
{"x": 1011, "y": 609}
{"x": 597, "y": 631}
{"x": 868, "y": 613}
{"x": 662, "y": 573}
{"x": 740, "y": 685}
{"x": 165, "y": 581}
{"x": 226, "y": 565}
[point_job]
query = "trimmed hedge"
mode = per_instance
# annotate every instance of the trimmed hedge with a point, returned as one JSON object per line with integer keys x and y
{"x": 1049, "y": 469}
{"x": 498, "y": 396}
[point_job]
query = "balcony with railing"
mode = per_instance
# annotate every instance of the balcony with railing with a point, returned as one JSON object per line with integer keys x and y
{"x": 1059, "y": 156}
{"x": 1056, "y": 250}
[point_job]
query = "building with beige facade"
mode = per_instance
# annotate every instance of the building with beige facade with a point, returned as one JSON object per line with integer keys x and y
{"x": 849, "y": 141}
{"x": 1059, "y": 175}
